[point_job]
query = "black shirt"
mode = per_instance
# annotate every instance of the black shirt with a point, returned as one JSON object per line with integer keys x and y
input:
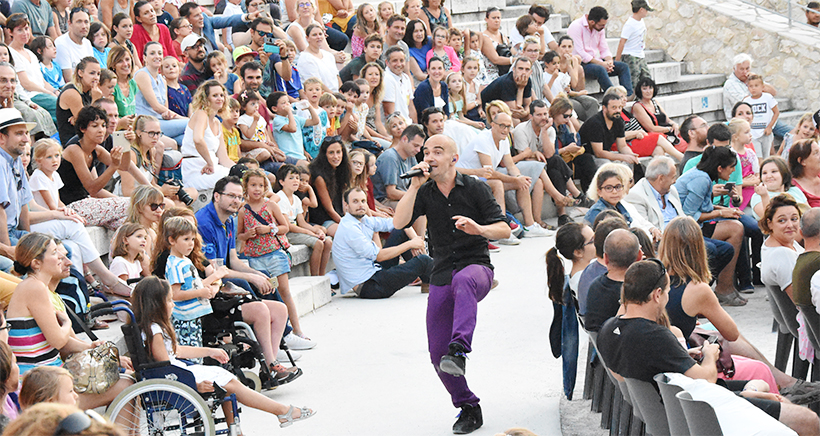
{"x": 639, "y": 348}
{"x": 64, "y": 127}
{"x": 603, "y": 301}
{"x": 453, "y": 249}
{"x": 686, "y": 156}
{"x": 504, "y": 88}
{"x": 595, "y": 130}
{"x": 355, "y": 67}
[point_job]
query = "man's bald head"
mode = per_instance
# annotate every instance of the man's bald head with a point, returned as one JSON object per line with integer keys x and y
{"x": 442, "y": 141}
{"x": 502, "y": 118}
{"x": 810, "y": 223}
{"x": 621, "y": 249}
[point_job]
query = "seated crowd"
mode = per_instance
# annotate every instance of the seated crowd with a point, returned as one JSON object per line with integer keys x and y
{"x": 125, "y": 116}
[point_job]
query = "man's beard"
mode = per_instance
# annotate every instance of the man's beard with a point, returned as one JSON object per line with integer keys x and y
{"x": 358, "y": 216}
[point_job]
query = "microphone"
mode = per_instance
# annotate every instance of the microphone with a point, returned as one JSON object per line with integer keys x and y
{"x": 412, "y": 173}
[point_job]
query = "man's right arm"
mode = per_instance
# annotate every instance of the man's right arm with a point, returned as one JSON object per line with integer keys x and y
{"x": 707, "y": 368}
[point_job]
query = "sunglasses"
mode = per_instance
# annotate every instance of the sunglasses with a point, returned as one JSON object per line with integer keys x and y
{"x": 155, "y": 206}
{"x": 77, "y": 422}
{"x": 662, "y": 271}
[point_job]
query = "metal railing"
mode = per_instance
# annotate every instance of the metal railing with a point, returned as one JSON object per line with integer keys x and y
{"x": 792, "y": 10}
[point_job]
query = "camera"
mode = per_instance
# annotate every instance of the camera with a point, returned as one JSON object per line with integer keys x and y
{"x": 181, "y": 194}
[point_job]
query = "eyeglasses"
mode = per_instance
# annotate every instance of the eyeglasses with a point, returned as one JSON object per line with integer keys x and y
{"x": 152, "y": 134}
{"x": 569, "y": 115}
{"x": 503, "y": 126}
{"x": 233, "y": 197}
{"x": 590, "y": 242}
{"x": 4, "y": 81}
{"x": 304, "y": 5}
{"x": 155, "y": 206}
{"x": 612, "y": 188}
{"x": 189, "y": 25}
{"x": 264, "y": 34}
{"x": 77, "y": 422}
{"x": 79, "y": 9}
{"x": 662, "y": 273}
{"x": 356, "y": 163}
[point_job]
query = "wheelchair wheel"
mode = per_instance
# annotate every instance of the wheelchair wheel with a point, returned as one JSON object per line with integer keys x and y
{"x": 161, "y": 407}
{"x": 253, "y": 381}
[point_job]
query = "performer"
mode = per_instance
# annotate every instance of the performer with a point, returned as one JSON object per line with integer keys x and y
{"x": 462, "y": 214}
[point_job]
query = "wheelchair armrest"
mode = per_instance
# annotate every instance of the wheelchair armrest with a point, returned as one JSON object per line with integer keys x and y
{"x": 153, "y": 365}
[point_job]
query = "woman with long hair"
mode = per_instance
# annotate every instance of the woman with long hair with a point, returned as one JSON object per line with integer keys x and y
{"x": 121, "y": 61}
{"x": 330, "y": 176}
{"x": 204, "y": 157}
{"x": 33, "y": 85}
{"x": 433, "y": 92}
{"x": 573, "y": 242}
{"x": 374, "y": 74}
{"x": 305, "y": 16}
{"x": 775, "y": 179}
{"x": 491, "y": 38}
{"x": 121, "y": 30}
{"x": 83, "y": 89}
{"x": 146, "y": 30}
{"x": 152, "y": 98}
{"x": 418, "y": 40}
{"x": 146, "y": 209}
{"x": 804, "y": 162}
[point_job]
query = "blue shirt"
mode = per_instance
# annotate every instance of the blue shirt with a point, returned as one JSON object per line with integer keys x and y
{"x": 181, "y": 271}
{"x": 601, "y": 206}
{"x": 102, "y": 56}
{"x": 218, "y": 238}
{"x": 695, "y": 191}
{"x": 354, "y": 251}
{"x": 669, "y": 212}
{"x": 16, "y": 192}
{"x": 53, "y": 76}
{"x": 292, "y": 143}
{"x": 179, "y": 99}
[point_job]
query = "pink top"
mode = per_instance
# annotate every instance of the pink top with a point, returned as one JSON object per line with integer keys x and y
{"x": 357, "y": 46}
{"x": 813, "y": 200}
{"x": 589, "y": 43}
{"x": 263, "y": 244}
{"x": 140, "y": 38}
{"x": 749, "y": 165}
{"x": 451, "y": 54}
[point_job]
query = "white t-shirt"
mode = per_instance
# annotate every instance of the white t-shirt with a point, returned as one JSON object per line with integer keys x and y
{"x": 398, "y": 90}
{"x": 484, "y": 144}
{"x": 232, "y": 9}
{"x": 247, "y": 120}
{"x": 516, "y": 38}
{"x": 40, "y": 182}
{"x": 121, "y": 266}
{"x": 31, "y": 67}
{"x": 290, "y": 210}
{"x": 634, "y": 32}
{"x": 559, "y": 85}
{"x": 323, "y": 69}
{"x": 777, "y": 265}
{"x": 762, "y": 110}
{"x": 70, "y": 54}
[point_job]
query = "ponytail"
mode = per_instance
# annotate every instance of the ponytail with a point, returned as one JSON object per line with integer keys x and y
{"x": 555, "y": 276}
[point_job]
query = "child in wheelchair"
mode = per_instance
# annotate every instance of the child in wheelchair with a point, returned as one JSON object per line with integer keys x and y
{"x": 153, "y": 304}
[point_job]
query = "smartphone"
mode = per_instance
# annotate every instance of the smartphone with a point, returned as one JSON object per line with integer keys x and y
{"x": 270, "y": 47}
{"x": 118, "y": 140}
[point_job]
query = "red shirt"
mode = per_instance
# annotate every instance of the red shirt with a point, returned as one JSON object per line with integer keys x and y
{"x": 140, "y": 38}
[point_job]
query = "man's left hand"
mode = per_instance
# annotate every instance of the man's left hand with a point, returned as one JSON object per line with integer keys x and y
{"x": 467, "y": 225}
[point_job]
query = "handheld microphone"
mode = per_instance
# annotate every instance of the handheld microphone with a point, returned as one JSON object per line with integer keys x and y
{"x": 412, "y": 173}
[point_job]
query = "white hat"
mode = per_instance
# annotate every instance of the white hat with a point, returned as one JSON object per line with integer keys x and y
{"x": 191, "y": 40}
{"x": 12, "y": 117}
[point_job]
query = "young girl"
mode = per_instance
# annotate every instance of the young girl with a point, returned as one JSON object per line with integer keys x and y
{"x": 179, "y": 98}
{"x": 59, "y": 9}
{"x": 458, "y": 98}
{"x": 45, "y": 181}
{"x": 573, "y": 242}
{"x": 9, "y": 382}
{"x": 804, "y": 130}
{"x": 122, "y": 28}
{"x": 306, "y": 192}
{"x": 742, "y": 145}
{"x": 259, "y": 224}
{"x": 217, "y": 66}
{"x": 129, "y": 245}
{"x": 99, "y": 37}
{"x": 314, "y": 135}
{"x": 299, "y": 230}
{"x": 47, "y": 384}
{"x": 88, "y": 5}
{"x": 475, "y": 52}
{"x": 44, "y": 48}
{"x": 25, "y": 158}
{"x": 367, "y": 22}
{"x": 443, "y": 51}
{"x": 181, "y": 246}
{"x": 472, "y": 88}
{"x": 252, "y": 126}
{"x": 108, "y": 81}
{"x": 179, "y": 29}
{"x": 385, "y": 11}
{"x": 153, "y": 304}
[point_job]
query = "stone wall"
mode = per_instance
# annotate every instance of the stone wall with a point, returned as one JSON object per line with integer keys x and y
{"x": 706, "y": 34}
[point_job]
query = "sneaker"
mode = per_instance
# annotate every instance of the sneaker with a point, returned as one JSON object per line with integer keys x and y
{"x": 583, "y": 201}
{"x": 284, "y": 375}
{"x": 281, "y": 355}
{"x": 469, "y": 420}
{"x": 536, "y": 231}
{"x": 516, "y": 230}
{"x": 564, "y": 219}
{"x": 733, "y": 299}
{"x": 296, "y": 342}
{"x": 512, "y": 240}
{"x": 454, "y": 362}
{"x": 802, "y": 392}
{"x": 493, "y": 248}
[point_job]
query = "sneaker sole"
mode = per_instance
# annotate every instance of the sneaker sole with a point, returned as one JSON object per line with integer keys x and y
{"x": 451, "y": 368}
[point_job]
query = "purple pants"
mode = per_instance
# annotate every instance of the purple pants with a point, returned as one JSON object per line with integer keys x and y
{"x": 451, "y": 316}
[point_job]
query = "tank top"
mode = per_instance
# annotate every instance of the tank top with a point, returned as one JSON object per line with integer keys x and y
{"x": 160, "y": 92}
{"x": 436, "y": 22}
{"x": 64, "y": 127}
{"x": 677, "y": 316}
{"x": 211, "y": 142}
{"x": 28, "y": 343}
{"x": 318, "y": 215}
{"x": 73, "y": 189}
{"x": 263, "y": 244}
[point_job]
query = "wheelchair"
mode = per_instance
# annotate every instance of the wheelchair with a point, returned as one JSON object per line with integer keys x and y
{"x": 164, "y": 401}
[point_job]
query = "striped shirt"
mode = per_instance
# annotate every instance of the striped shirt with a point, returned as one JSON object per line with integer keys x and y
{"x": 181, "y": 271}
{"x": 30, "y": 346}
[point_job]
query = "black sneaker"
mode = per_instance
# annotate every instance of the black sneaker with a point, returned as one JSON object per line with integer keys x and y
{"x": 583, "y": 201}
{"x": 564, "y": 219}
{"x": 454, "y": 362}
{"x": 469, "y": 420}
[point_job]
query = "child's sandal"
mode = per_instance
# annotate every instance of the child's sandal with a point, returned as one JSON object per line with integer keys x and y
{"x": 289, "y": 419}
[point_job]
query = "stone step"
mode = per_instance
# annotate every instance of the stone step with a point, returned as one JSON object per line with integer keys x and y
{"x": 662, "y": 72}
{"x": 784, "y": 104}
{"x": 555, "y": 23}
{"x": 692, "y": 102}
{"x": 790, "y": 117}
{"x": 309, "y": 293}
{"x": 691, "y": 82}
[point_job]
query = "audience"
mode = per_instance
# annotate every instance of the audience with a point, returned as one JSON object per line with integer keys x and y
{"x": 621, "y": 250}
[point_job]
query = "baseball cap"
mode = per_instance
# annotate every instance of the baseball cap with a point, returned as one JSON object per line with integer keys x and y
{"x": 191, "y": 40}
{"x": 243, "y": 50}
{"x": 641, "y": 4}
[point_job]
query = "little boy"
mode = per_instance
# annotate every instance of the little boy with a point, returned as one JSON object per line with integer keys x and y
{"x": 293, "y": 87}
{"x": 633, "y": 41}
{"x": 314, "y": 135}
{"x": 179, "y": 98}
{"x": 230, "y": 132}
{"x": 305, "y": 192}
{"x": 328, "y": 103}
{"x": 287, "y": 127}
{"x": 764, "y": 108}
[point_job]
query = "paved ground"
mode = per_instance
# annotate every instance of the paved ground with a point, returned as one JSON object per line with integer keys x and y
{"x": 371, "y": 374}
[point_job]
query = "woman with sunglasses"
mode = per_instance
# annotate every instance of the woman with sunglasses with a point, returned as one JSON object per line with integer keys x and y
{"x": 146, "y": 29}
{"x": 611, "y": 184}
{"x": 574, "y": 242}
{"x": 335, "y": 41}
{"x": 146, "y": 209}
{"x": 560, "y": 147}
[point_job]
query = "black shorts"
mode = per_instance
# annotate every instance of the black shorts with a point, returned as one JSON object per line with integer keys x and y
{"x": 771, "y": 407}
{"x": 708, "y": 228}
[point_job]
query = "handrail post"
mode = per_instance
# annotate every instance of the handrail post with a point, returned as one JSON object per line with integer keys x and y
{"x": 790, "y": 14}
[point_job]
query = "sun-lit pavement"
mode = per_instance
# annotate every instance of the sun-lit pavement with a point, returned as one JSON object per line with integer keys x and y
{"x": 371, "y": 374}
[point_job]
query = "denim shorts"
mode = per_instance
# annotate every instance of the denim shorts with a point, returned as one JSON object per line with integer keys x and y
{"x": 273, "y": 264}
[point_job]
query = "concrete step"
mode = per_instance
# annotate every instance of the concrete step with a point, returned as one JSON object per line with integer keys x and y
{"x": 784, "y": 104}
{"x": 692, "y": 102}
{"x": 790, "y": 117}
{"x": 691, "y": 82}
{"x": 310, "y": 293}
{"x": 662, "y": 72}
{"x": 507, "y": 25}
{"x": 101, "y": 239}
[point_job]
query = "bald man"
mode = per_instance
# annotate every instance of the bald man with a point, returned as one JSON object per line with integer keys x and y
{"x": 462, "y": 215}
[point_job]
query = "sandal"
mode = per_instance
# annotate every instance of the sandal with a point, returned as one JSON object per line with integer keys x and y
{"x": 284, "y": 375}
{"x": 289, "y": 419}
{"x": 732, "y": 299}
{"x": 98, "y": 324}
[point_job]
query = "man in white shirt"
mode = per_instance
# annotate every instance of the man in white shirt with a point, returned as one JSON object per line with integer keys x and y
{"x": 540, "y": 14}
{"x": 394, "y": 37}
{"x": 398, "y": 86}
{"x": 482, "y": 157}
{"x": 73, "y": 46}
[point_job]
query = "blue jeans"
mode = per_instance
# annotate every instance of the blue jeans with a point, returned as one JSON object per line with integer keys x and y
{"x": 272, "y": 296}
{"x": 350, "y": 25}
{"x": 569, "y": 343}
{"x": 336, "y": 39}
{"x": 174, "y": 129}
{"x": 600, "y": 74}
{"x": 780, "y": 129}
{"x": 720, "y": 253}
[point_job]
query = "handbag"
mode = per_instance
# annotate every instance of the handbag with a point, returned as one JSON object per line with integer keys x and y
{"x": 95, "y": 370}
{"x": 504, "y": 50}
{"x": 725, "y": 364}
